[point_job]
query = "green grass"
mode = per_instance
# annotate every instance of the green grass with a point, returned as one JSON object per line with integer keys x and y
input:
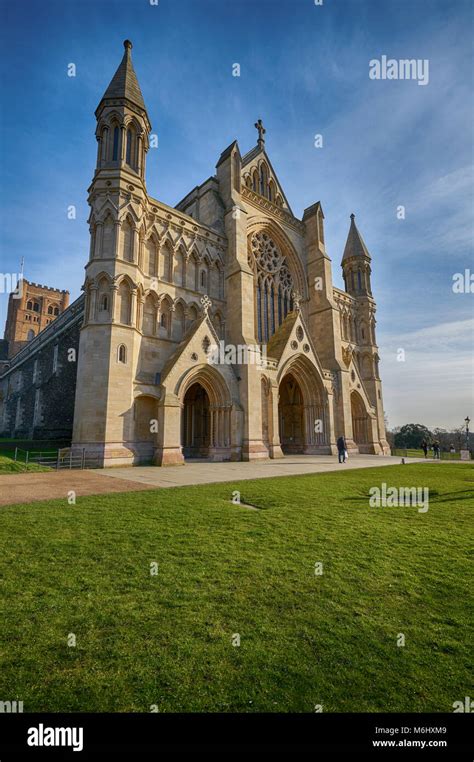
{"x": 9, "y": 466}
{"x": 225, "y": 569}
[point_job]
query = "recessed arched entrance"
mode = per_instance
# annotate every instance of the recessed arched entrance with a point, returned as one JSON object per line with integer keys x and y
{"x": 206, "y": 409}
{"x": 195, "y": 422}
{"x": 303, "y": 415}
{"x": 290, "y": 415}
{"x": 360, "y": 420}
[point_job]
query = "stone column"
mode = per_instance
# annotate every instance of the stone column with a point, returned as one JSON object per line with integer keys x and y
{"x": 93, "y": 304}
{"x": 139, "y": 154}
{"x": 140, "y": 303}
{"x": 133, "y": 307}
{"x": 140, "y": 252}
{"x": 99, "y": 237}
{"x": 116, "y": 243}
{"x": 275, "y": 445}
{"x": 123, "y": 143}
{"x": 113, "y": 302}
{"x": 104, "y": 144}
{"x": 211, "y": 432}
{"x": 135, "y": 245}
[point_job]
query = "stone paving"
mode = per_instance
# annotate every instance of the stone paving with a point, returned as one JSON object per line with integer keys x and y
{"x": 203, "y": 472}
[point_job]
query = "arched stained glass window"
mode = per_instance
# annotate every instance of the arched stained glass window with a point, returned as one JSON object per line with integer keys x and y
{"x": 265, "y": 312}
{"x": 263, "y": 180}
{"x": 272, "y": 274}
{"x": 272, "y": 309}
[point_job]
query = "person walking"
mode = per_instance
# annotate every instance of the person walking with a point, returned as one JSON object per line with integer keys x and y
{"x": 341, "y": 449}
{"x": 436, "y": 449}
{"x": 424, "y": 447}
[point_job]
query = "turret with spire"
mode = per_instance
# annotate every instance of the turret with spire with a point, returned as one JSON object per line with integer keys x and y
{"x": 122, "y": 121}
{"x": 356, "y": 263}
{"x": 115, "y": 274}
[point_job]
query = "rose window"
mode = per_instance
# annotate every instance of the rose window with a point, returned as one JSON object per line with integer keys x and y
{"x": 266, "y": 253}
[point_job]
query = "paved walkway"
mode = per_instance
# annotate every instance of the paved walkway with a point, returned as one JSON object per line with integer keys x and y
{"x": 32, "y": 486}
{"x": 203, "y": 472}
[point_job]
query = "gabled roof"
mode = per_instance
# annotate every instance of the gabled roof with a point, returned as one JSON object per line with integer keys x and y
{"x": 124, "y": 83}
{"x": 186, "y": 341}
{"x": 279, "y": 340}
{"x": 260, "y": 151}
{"x": 355, "y": 246}
{"x": 280, "y": 347}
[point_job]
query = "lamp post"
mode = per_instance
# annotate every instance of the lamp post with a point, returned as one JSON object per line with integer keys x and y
{"x": 467, "y": 421}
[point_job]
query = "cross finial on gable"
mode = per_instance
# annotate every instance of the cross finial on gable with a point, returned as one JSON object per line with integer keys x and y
{"x": 261, "y": 132}
{"x": 297, "y": 301}
{"x": 206, "y": 304}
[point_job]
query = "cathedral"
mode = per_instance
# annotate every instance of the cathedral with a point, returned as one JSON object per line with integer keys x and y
{"x": 208, "y": 330}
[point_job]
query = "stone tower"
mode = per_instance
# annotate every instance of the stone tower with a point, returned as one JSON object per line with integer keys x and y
{"x": 30, "y": 309}
{"x": 109, "y": 343}
{"x": 357, "y": 279}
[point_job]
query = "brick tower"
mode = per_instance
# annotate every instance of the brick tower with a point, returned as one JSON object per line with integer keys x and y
{"x": 30, "y": 310}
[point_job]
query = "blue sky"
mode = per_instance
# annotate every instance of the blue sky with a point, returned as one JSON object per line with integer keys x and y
{"x": 304, "y": 71}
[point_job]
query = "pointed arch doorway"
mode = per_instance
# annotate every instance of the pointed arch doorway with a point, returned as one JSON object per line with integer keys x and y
{"x": 206, "y": 408}
{"x": 290, "y": 416}
{"x": 195, "y": 422}
{"x": 303, "y": 415}
{"x": 360, "y": 422}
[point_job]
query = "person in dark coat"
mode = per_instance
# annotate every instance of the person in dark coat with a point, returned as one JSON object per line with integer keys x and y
{"x": 341, "y": 449}
{"x": 424, "y": 447}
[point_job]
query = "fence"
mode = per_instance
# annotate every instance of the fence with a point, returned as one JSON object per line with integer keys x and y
{"x": 57, "y": 459}
{"x": 413, "y": 453}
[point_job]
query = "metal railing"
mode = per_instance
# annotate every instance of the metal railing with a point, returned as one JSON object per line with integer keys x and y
{"x": 57, "y": 459}
{"x": 412, "y": 452}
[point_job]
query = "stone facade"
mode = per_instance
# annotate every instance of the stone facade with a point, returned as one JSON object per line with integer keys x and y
{"x": 213, "y": 329}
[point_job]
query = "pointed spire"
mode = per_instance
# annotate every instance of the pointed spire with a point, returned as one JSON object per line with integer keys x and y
{"x": 124, "y": 83}
{"x": 355, "y": 246}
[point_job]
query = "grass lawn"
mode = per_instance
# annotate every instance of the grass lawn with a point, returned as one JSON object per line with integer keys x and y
{"x": 166, "y": 640}
{"x": 9, "y": 466}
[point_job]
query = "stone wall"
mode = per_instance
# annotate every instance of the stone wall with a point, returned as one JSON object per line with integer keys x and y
{"x": 37, "y": 392}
